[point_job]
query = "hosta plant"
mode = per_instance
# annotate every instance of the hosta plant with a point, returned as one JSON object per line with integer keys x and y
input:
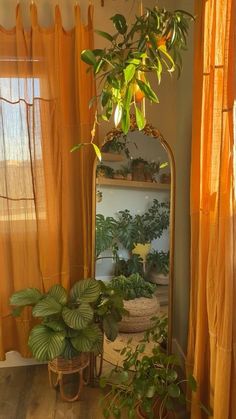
{"x": 70, "y": 323}
{"x": 153, "y": 43}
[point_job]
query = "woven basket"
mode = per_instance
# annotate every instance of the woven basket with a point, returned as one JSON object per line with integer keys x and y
{"x": 141, "y": 310}
{"x": 166, "y": 414}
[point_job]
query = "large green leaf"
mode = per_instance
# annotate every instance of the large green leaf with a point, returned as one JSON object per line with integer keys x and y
{"x": 58, "y": 293}
{"x": 110, "y": 327}
{"x": 27, "y": 296}
{"x": 87, "y": 339}
{"x": 88, "y": 57}
{"x": 120, "y": 23}
{"x": 118, "y": 114}
{"x": 140, "y": 119}
{"x": 46, "y": 307}
{"x": 56, "y": 325}
{"x": 86, "y": 290}
{"x": 69, "y": 350}
{"x": 45, "y": 343}
{"x": 78, "y": 318}
{"x": 104, "y": 35}
{"x": 147, "y": 90}
{"x": 129, "y": 72}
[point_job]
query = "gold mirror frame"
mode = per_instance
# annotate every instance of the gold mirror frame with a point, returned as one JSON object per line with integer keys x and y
{"x": 150, "y": 131}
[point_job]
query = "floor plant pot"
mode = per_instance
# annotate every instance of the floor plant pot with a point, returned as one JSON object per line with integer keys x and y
{"x": 59, "y": 367}
{"x": 157, "y": 278}
{"x": 141, "y": 310}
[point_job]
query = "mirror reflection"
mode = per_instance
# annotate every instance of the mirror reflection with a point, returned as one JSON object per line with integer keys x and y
{"x": 133, "y": 226}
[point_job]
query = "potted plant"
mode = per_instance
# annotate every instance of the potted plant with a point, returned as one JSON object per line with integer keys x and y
{"x": 152, "y": 44}
{"x": 152, "y": 169}
{"x": 70, "y": 325}
{"x": 104, "y": 171}
{"x": 147, "y": 386}
{"x": 139, "y": 301}
{"x": 157, "y": 267}
{"x": 106, "y": 233}
{"x": 117, "y": 145}
{"x": 138, "y": 169}
{"x": 129, "y": 266}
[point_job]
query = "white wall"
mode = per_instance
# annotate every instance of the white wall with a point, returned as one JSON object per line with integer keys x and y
{"x": 172, "y": 116}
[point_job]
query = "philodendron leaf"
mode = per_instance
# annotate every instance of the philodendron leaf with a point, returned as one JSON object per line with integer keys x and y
{"x": 110, "y": 327}
{"x": 88, "y": 57}
{"x": 77, "y": 147}
{"x": 86, "y": 291}
{"x": 78, "y": 318}
{"x": 117, "y": 114}
{"x": 46, "y": 307}
{"x": 27, "y": 296}
{"x": 97, "y": 151}
{"x": 45, "y": 343}
{"x": 125, "y": 121}
{"x": 120, "y": 23}
{"x": 59, "y": 293}
{"x": 140, "y": 119}
{"x": 147, "y": 90}
{"x": 129, "y": 72}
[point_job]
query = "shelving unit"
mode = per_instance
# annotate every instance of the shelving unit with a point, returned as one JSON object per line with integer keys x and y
{"x": 112, "y": 157}
{"x": 102, "y": 181}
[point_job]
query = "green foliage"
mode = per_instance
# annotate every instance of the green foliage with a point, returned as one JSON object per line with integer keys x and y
{"x": 117, "y": 145}
{"x": 144, "y": 228}
{"x": 143, "y": 379}
{"x": 158, "y": 261}
{"x": 104, "y": 170}
{"x": 152, "y": 44}
{"x": 127, "y": 267}
{"x": 70, "y": 323}
{"x": 132, "y": 287}
{"x": 106, "y": 228}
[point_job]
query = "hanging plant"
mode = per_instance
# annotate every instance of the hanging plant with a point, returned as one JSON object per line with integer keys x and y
{"x": 153, "y": 44}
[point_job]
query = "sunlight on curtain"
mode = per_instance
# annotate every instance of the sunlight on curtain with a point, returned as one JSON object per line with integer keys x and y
{"x": 212, "y": 330}
{"x": 45, "y": 191}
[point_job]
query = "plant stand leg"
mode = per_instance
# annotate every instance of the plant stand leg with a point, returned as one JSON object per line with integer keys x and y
{"x": 51, "y": 381}
{"x": 80, "y": 387}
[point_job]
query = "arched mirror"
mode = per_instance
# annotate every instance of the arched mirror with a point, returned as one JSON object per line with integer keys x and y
{"x": 134, "y": 231}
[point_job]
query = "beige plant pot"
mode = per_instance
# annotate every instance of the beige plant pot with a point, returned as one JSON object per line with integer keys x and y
{"x": 141, "y": 310}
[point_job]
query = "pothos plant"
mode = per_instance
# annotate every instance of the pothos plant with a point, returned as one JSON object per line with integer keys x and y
{"x": 153, "y": 43}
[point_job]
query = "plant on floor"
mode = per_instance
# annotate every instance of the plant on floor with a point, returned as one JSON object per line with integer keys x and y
{"x": 130, "y": 266}
{"x": 146, "y": 385}
{"x": 158, "y": 261}
{"x": 69, "y": 323}
{"x": 133, "y": 286}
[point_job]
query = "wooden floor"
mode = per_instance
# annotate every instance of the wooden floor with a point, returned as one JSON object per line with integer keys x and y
{"x": 25, "y": 394}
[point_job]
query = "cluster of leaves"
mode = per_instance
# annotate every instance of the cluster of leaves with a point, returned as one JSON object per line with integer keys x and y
{"x": 142, "y": 228}
{"x": 104, "y": 170}
{"x": 133, "y": 286}
{"x": 152, "y": 44}
{"x": 158, "y": 261}
{"x": 144, "y": 379}
{"x": 117, "y": 145}
{"x": 106, "y": 228}
{"x": 130, "y": 266}
{"x": 69, "y": 323}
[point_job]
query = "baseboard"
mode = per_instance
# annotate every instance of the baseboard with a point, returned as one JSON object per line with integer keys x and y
{"x": 14, "y": 359}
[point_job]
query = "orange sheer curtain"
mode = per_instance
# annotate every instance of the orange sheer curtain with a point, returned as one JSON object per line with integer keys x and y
{"x": 45, "y": 191}
{"x": 212, "y": 332}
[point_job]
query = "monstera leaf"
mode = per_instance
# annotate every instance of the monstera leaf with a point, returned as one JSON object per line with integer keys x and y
{"x": 27, "y": 296}
{"x": 45, "y": 343}
{"x": 78, "y": 318}
{"x": 88, "y": 339}
{"x": 58, "y": 293}
{"x": 46, "y": 307}
{"x": 85, "y": 291}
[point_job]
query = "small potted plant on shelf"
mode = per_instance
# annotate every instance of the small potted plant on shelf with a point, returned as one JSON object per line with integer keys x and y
{"x": 117, "y": 145}
{"x": 147, "y": 386}
{"x": 139, "y": 301}
{"x": 138, "y": 169}
{"x": 71, "y": 324}
{"x": 157, "y": 267}
{"x": 104, "y": 171}
{"x": 152, "y": 169}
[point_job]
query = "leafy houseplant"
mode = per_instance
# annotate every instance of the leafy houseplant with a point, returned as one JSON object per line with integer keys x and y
{"x": 117, "y": 145}
{"x": 70, "y": 324}
{"x": 105, "y": 171}
{"x": 144, "y": 228}
{"x": 153, "y": 44}
{"x": 158, "y": 261}
{"x": 133, "y": 286}
{"x": 146, "y": 385}
{"x": 106, "y": 228}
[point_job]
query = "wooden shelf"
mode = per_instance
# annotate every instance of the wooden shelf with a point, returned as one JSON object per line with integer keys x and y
{"x": 112, "y": 157}
{"x": 131, "y": 184}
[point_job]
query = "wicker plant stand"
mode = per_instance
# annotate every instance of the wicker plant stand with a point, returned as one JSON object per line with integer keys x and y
{"x": 59, "y": 367}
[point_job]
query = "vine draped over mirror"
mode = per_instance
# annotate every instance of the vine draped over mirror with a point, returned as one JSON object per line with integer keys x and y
{"x": 212, "y": 333}
{"x": 45, "y": 234}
